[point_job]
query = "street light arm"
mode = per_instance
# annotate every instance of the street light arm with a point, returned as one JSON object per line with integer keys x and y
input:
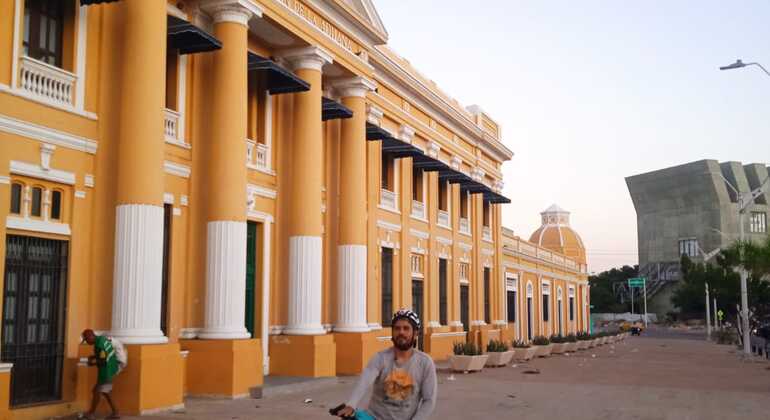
{"x": 760, "y": 66}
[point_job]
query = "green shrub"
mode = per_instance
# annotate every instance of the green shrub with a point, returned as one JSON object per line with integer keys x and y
{"x": 570, "y": 338}
{"x": 540, "y": 341}
{"x": 519, "y": 344}
{"x": 557, "y": 339}
{"x": 583, "y": 336}
{"x": 465, "y": 349}
{"x": 497, "y": 346}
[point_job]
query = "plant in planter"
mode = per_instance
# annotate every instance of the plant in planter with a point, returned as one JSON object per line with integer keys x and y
{"x": 523, "y": 351}
{"x": 572, "y": 343}
{"x": 467, "y": 358}
{"x": 499, "y": 353}
{"x": 559, "y": 344}
{"x": 583, "y": 340}
{"x": 543, "y": 345}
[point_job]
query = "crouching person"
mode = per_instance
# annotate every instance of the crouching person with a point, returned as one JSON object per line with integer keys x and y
{"x": 105, "y": 358}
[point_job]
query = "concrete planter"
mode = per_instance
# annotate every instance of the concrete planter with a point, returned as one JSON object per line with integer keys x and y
{"x": 499, "y": 358}
{"x": 559, "y": 348}
{"x": 571, "y": 347}
{"x": 543, "y": 351}
{"x": 583, "y": 344}
{"x": 525, "y": 353}
{"x": 592, "y": 343}
{"x": 468, "y": 363}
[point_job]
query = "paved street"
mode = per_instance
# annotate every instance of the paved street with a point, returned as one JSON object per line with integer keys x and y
{"x": 641, "y": 378}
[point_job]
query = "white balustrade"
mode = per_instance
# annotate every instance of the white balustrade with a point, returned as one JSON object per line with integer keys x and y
{"x": 47, "y": 82}
{"x": 388, "y": 199}
{"x": 261, "y": 155}
{"x": 443, "y": 218}
{"x": 418, "y": 209}
{"x": 171, "y": 126}
{"x": 465, "y": 225}
{"x": 256, "y": 155}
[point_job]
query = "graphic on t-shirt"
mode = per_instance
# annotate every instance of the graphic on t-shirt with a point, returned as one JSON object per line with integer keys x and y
{"x": 398, "y": 385}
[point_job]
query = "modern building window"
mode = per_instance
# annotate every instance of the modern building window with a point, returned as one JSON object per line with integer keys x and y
{"x": 387, "y": 285}
{"x": 37, "y": 196}
{"x": 487, "y": 315}
{"x": 511, "y": 297}
{"x": 487, "y": 214}
{"x": 688, "y": 247}
{"x": 56, "y": 205}
{"x": 16, "y": 198}
{"x": 442, "y": 291}
{"x": 44, "y": 30}
{"x": 443, "y": 195}
{"x": 464, "y": 204}
{"x": 758, "y": 222}
{"x": 417, "y": 184}
{"x": 388, "y": 172}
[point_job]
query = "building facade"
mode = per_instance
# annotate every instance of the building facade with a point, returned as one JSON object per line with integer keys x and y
{"x": 237, "y": 188}
{"x": 692, "y": 209}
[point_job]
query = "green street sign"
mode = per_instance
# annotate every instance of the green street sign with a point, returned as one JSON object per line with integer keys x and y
{"x": 637, "y": 282}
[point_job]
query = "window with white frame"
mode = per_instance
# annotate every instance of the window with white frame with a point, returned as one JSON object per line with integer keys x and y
{"x": 688, "y": 247}
{"x": 463, "y": 272}
{"x": 546, "y": 292}
{"x": 45, "y": 27}
{"x": 758, "y": 222}
{"x": 416, "y": 263}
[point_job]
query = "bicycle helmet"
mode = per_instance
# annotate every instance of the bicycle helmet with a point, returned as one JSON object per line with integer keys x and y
{"x": 408, "y": 315}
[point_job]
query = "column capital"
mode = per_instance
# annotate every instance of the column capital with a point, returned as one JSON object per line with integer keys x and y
{"x": 373, "y": 114}
{"x": 235, "y": 11}
{"x": 312, "y": 57}
{"x": 353, "y": 87}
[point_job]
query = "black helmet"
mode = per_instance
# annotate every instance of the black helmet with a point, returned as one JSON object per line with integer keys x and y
{"x": 408, "y": 315}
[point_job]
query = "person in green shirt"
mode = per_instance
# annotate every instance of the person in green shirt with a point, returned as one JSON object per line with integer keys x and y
{"x": 106, "y": 360}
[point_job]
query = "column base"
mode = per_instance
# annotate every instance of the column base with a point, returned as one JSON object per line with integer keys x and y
{"x": 151, "y": 382}
{"x": 223, "y": 368}
{"x": 354, "y": 350}
{"x": 303, "y": 355}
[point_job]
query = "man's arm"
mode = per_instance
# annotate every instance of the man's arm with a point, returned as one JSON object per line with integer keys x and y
{"x": 428, "y": 392}
{"x": 368, "y": 376}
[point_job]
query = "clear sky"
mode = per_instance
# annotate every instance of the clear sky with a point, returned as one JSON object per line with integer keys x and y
{"x": 589, "y": 92}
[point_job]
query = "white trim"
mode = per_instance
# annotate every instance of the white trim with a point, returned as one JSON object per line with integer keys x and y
{"x": 47, "y": 135}
{"x": 477, "y": 322}
{"x": 351, "y": 290}
{"x": 5, "y": 180}
{"x": 175, "y": 11}
{"x": 16, "y": 43}
{"x": 262, "y": 216}
{"x": 6, "y": 367}
{"x": 189, "y": 333}
{"x": 417, "y": 250}
{"x": 261, "y": 191}
{"x": 449, "y": 334}
{"x": 456, "y": 324}
{"x": 268, "y": 123}
{"x": 304, "y": 301}
{"x": 375, "y": 326}
{"x": 388, "y": 226}
{"x": 176, "y": 169}
{"x": 80, "y": 194}
{"x": 36, "y": 171}
{"x": 183, "y": 200}
{"x": 433, "y": 324}
{"x": 88, "y": 180}
{"x": 444, "y": 241}
{"x": 267, "y": 245}
{"x": 465, "y": 282}
{"x": 168, "y": 198}
{"x": 419, "y": 233}
{"x": 465, "y": 247}
{"x": 176, "y": 211}
{"x": 34, "y": 225}
{"x": 80, "y": 68}
{"x": 182, "y": 100}
{"x": 311, "y": 57}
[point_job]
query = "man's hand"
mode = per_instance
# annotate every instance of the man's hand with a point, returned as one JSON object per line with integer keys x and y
{"x": 348, "y": 411}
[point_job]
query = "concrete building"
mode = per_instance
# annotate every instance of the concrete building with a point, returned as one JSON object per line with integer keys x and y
{"x": 240, "y": 188}
{"x": 690, "y": 209}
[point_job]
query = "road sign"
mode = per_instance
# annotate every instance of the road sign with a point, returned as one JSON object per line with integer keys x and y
{"x": 637, "y": 282}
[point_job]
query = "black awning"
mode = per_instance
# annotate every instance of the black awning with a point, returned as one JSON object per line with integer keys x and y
{"x": 374, "y": 132}
{"x": 277, "y": 79}
{"x": 188, "y": 38}
{"x": 333, "y": 110}
{"x": 398, "y": 149}
{"x": 495, "y": 198}
{"x": 474, "y": 187}
{"x": 429, "y": 164}
{"x": 89, "y": 2}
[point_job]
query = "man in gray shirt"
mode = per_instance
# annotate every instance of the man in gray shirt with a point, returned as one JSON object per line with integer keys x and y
{"x": 403, "y": 378}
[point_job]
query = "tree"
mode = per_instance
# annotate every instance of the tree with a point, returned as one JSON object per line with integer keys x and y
{"x": 603, "y": 298}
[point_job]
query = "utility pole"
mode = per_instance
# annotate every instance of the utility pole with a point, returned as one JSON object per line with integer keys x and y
{"x": 708, "y": 315}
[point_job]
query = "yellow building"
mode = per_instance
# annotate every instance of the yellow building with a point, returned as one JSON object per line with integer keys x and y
{"x": 237, "y": 188}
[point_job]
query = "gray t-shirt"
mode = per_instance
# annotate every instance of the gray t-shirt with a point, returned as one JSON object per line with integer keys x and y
{"x": 400, "y": 391}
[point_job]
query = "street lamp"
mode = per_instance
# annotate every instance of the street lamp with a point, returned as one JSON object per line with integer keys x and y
{"x": 740, "y": 64}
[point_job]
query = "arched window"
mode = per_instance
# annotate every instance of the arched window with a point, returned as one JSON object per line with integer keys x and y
{"x": 37, "y": 198}
{"x": 56, "y": 205}
{"x": 16, "y": 189}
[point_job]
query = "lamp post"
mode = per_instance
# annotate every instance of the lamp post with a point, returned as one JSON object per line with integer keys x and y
{"x": 740, "y": 64}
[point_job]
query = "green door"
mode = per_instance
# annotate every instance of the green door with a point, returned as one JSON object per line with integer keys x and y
{"x": 251, "y": 269}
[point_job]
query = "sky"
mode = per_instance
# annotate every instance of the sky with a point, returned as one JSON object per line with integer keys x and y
{"x": 590, "y": 92}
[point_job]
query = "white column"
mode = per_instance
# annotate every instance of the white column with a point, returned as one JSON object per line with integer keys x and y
{"x": 351, "y": 305}
{"x": 267, "y": 244}
{"x": 225, "y": 316}
{"x": 138, "y": 272}
{"x": 305, "y": 263}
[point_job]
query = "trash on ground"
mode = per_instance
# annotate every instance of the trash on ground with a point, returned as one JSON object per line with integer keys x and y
{"x": 451, "y": 378}
{"x": 511, "y": 396}
{"x": 308, "y": 400}
{"x": 532, "y": 371}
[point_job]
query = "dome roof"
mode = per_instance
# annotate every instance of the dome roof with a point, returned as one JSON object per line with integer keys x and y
{"x": 556, "y": 234}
